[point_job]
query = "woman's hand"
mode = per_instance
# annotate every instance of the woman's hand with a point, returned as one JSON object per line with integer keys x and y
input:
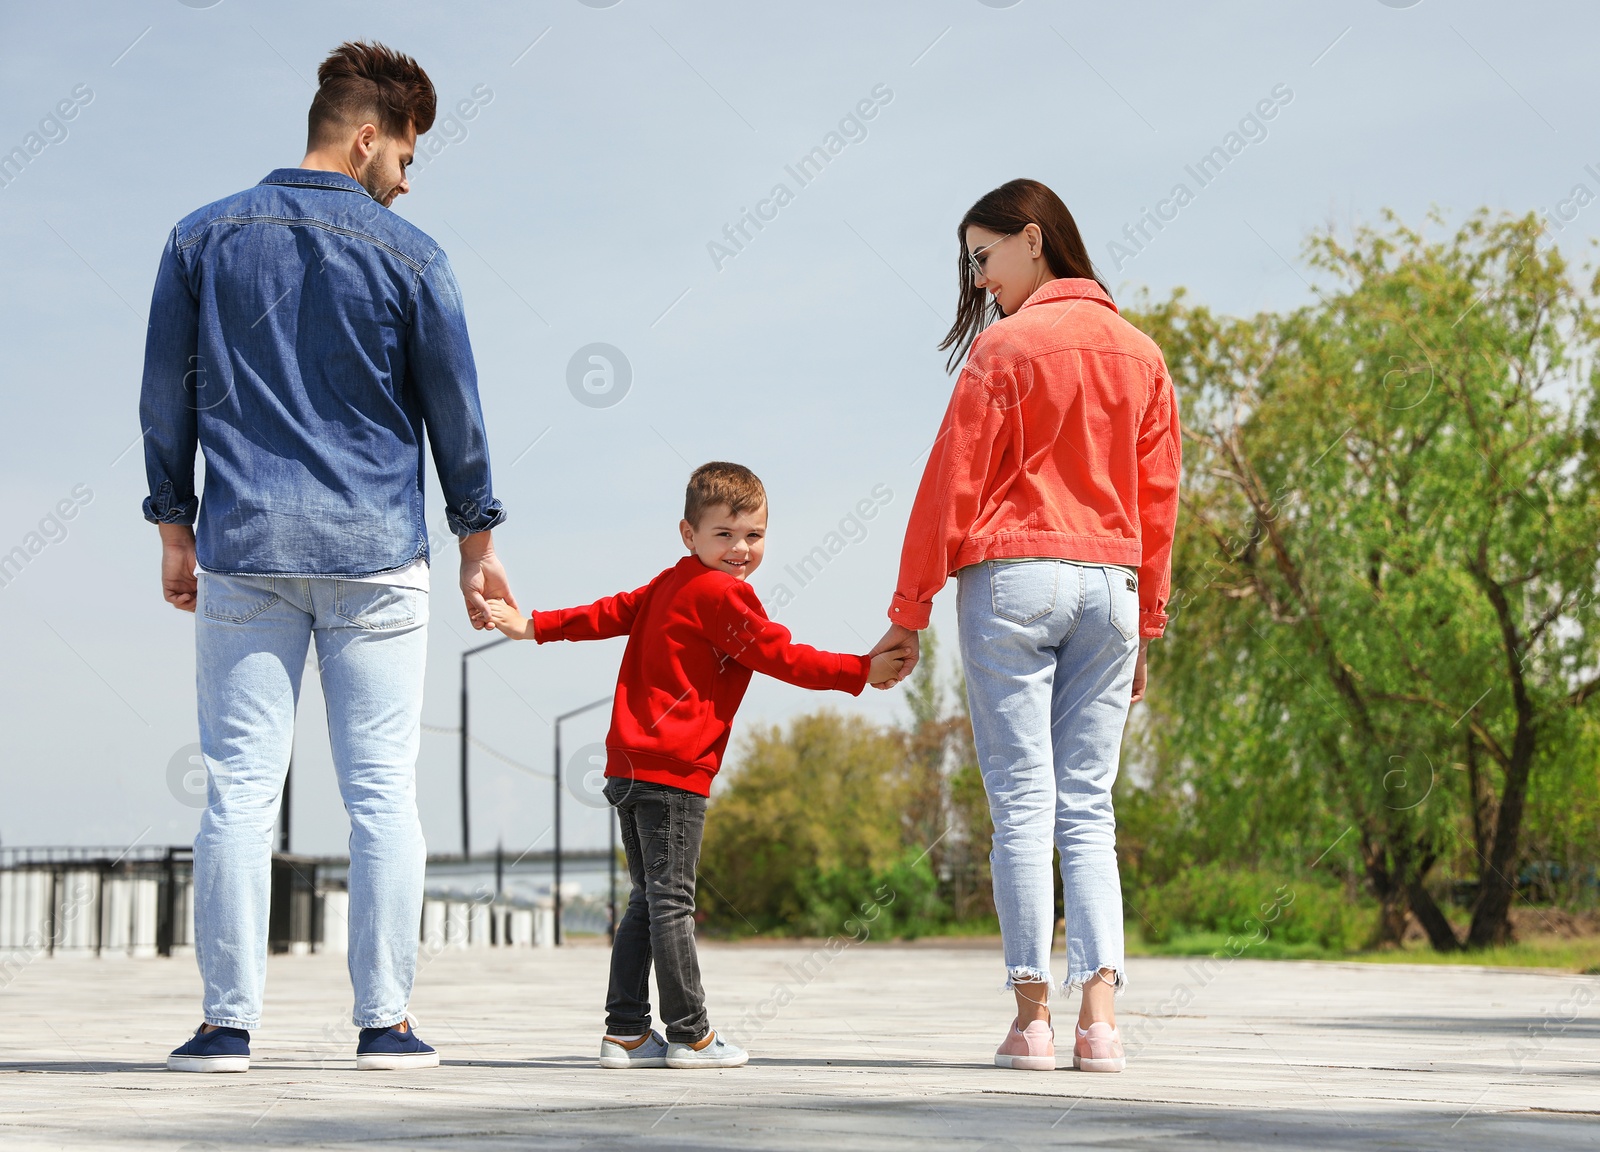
{"x": 887, "y": 668}
{"x": 899, "y": 637}
{"x": 1140, "y": 676}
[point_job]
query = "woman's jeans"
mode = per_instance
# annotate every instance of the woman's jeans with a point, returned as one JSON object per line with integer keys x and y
{"x": 1049, "y": 648}
{"x": 251, "y": 638}
{"x": 661, "y": 829}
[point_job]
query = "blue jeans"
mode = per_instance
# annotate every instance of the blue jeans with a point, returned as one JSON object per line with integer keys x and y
{"x": 1049, "y": 648}
{"x": 251, "y": 638}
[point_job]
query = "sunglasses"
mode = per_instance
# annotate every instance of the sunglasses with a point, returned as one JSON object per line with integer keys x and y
{"x": 978, "y": 259}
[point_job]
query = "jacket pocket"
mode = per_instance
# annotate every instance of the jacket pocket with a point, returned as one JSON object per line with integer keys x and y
{"x": 1023, "y": 591}
{"x": 377, "y": 607}
{"x": 235, "y": 599}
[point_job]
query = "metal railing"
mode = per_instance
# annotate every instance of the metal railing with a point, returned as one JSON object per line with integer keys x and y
{"x": 140, "y": 902}
{"x": 95, "y": 900}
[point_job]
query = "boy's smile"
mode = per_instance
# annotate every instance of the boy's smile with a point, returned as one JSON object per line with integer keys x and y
{"x": 729, "y": 543}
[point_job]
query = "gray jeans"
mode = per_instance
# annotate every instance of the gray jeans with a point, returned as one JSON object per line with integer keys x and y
{"x": 661, "y": 828}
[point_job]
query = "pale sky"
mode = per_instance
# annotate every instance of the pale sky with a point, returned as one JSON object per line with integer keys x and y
{"x": 608, "y": 149}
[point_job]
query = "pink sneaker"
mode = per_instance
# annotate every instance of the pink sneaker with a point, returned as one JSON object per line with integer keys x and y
{"x": 1033, "y": 1049}
{"x": 1098, "y": 1049}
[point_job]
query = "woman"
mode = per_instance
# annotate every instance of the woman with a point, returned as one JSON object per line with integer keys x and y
{"x": 1051, "y": 494}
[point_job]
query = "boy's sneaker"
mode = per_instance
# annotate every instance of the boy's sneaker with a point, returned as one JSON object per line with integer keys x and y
{"x": 712, "y": 1052}
{"x": 1098, "y": 1049}
{"x": 220, "y": 1050}
{"x": 389, "y": 1049}
{"x": 647, "y": 1051}
{"x": 1031, "y": 1049}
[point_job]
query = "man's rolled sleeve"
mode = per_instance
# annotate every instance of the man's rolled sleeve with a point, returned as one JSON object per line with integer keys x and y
{"x": 441, "y": 369}
{"x": 173, "y": 373}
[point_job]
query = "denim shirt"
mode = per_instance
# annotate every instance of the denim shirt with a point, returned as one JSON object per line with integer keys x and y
{"x": 304, "y": 337}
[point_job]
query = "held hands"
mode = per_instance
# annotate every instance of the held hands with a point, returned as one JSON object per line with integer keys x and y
{"x": 510, "y": 621}
{"x": 887, "y": 666}
{"x": 898, "y": 642}
{"x": 482, "y": 578}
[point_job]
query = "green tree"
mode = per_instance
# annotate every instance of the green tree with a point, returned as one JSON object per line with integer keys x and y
{"x": 949, "y": 810}
{"x": 1384, "y": 585}
{"x": 825, "y": 814}
{"x": 806, "y": 806}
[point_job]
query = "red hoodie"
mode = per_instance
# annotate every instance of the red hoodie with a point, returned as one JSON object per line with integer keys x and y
{"x": 694, "y": 636}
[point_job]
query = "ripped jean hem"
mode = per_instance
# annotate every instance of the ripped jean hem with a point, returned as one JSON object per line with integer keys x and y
{"x": 1025, "y": 974}
{"x": 1078, "y": 980}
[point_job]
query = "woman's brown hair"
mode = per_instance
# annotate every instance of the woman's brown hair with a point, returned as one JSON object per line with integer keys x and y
{"x": 1008, "y": 210}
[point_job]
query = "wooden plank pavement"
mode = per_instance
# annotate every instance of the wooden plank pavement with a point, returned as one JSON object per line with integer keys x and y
{"x": 868, "y": 1046}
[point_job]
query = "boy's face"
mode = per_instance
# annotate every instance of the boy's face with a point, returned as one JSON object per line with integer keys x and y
{"x": 729, "y": 543}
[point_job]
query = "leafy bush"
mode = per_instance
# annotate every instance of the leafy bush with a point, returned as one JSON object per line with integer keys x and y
{"x": 1253, "y": 906}
{"x": 900, "y": 901}
{"x": 840, "y": 827}
{"x": 805, "y": 828}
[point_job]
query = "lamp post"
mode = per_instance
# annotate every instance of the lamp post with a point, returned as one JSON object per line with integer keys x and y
{"x": 555, "y": 888}
{"x": 466, "y": 807}
{"x": 283, "y": 804}
{"x": 611, "y": 877}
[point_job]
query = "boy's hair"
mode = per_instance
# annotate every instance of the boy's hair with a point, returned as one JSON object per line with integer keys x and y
{"x": 722, "y": 483}
{"x": 364, "y": 83}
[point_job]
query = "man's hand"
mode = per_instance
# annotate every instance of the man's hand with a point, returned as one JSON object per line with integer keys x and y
{"x": 899, "y": 637}
{"x": 482, "y": 578}
{"x": 1140, "y": 676}
{"x": 178, "y": 583}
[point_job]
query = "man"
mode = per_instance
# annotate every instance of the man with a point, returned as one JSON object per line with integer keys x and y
{"x": 305, "y": 338}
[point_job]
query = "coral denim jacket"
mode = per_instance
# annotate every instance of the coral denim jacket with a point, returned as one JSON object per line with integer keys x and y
{"x": 1061, "y": 441}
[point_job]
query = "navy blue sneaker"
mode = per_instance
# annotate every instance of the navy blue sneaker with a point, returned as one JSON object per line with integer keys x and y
{"x": 386, "y": 1049}
{"x": 221, "y": 1050}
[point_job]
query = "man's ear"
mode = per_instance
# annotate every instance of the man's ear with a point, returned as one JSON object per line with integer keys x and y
{"x": 366, "y": 141}
{"x": 686, "y": 530}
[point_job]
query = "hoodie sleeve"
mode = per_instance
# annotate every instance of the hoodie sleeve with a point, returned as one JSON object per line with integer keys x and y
{"x": 742, "y": 630}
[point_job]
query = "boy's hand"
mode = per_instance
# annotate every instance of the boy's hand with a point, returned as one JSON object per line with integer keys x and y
{"x": 506, "y": 618}
{"x": 885, "y": 670}
{"x": 905, "y": 639}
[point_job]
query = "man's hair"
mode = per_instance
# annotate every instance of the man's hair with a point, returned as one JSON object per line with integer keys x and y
{"x": 364, "y": 83}
{"x": 722, "y": 483}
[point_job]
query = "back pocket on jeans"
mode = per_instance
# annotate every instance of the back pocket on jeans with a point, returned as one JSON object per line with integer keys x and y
{"x": 235, "y": 599}
{"x": 1124, "y": 590}
{"x": 377, "y": 606}
{"x": 1023, "y": 591}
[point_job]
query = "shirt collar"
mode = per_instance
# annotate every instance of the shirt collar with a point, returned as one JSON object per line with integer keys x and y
{"x": 312, "y": 178}
{"x": 1070, "y": 288}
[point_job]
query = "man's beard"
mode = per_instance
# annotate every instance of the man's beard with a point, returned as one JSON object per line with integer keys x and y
{"x": 371, "y": 178}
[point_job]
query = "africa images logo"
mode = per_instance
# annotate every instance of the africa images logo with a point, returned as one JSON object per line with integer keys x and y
{"x": 599, "y": 375}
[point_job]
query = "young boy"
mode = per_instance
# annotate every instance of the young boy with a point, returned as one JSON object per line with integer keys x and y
{"x": 695, "y": 634}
